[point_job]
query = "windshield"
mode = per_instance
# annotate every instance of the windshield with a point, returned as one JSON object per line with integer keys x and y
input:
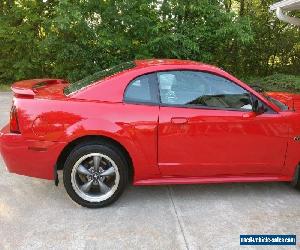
{"x": 97, "y": 76}
{"x": 276, "y": 102}
{"x": 279, "y": 104}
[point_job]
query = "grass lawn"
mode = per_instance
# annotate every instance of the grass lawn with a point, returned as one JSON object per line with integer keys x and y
{"x": 4, "y": 88}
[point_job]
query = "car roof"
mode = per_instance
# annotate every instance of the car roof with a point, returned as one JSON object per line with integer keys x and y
{"x": 157, "y": 62}
{"x": 115, "y": 94}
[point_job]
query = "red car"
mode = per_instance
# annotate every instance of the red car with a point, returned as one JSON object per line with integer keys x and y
{"x": 150, "y": 122}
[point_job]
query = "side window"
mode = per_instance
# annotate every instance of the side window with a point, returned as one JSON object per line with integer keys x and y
{"x": 195, "y": 88}
{"x": 142, "y": 90}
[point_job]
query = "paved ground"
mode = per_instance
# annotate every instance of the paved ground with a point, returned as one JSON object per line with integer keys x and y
{"x": 34, "y": 214}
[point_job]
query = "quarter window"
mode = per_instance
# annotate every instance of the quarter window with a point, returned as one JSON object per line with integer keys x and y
{"x": 142, "y": 90}
{"x": 194, "y": 88}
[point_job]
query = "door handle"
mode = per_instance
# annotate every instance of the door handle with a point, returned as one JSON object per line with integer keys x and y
{"x": 179, "y": 120}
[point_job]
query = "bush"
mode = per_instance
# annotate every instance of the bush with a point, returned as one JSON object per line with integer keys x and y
{"x": 71, "y": 39}
{"x": 276, "y": 82}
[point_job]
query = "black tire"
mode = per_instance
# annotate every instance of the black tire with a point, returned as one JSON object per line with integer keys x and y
{"x": 296, "y": 180}
{"x": 95, "y": 147}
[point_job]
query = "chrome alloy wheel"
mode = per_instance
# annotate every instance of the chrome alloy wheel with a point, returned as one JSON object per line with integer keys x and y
{"x": 95, "y": 177}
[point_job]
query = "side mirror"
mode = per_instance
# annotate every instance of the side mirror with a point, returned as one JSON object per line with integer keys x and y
{"x": 250, "y": 114}
{"x": 258, "y": 107}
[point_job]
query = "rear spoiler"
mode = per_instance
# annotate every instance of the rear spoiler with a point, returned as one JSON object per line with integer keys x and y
{"x": 29, "y": 87}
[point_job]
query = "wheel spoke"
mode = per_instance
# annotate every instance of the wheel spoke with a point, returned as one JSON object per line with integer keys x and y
{"x": 96, "y": 160}
{"x": 95, "y": 177}
{"x": 87, "y": 186}
{"x": 82, "y": 170}
{"x": 108, "y": 172}
{"x": 103, "y": 187}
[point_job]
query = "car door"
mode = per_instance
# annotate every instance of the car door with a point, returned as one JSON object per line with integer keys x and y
{"x": 206, "y": 128}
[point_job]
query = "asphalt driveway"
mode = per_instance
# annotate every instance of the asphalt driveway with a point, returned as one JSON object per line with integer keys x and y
{"x": 35, "y": 214}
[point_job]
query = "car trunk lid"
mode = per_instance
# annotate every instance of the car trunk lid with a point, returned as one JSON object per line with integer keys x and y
{"x": 40, "y": 88}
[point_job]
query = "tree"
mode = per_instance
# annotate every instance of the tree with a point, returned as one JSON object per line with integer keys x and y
{"x": 73, "y": 38}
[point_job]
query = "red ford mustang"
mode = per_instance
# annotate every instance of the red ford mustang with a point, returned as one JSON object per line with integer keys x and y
{"x": 151, "y": 122}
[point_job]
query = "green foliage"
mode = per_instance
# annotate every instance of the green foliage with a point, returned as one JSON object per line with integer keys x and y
{"x": 74, "y": 38}
{"x": 99, "y": 75}
{"x": 4, "y": 87}
{"x": 276, "y": 82}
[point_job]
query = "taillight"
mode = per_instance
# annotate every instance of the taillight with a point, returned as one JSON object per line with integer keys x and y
{"x": 14, "y": 124}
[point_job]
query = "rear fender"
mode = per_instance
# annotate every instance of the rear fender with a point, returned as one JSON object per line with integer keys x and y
{"x": 118, "y": 133}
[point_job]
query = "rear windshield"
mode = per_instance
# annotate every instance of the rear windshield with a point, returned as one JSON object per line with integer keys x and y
{"x": 97, "y": 76}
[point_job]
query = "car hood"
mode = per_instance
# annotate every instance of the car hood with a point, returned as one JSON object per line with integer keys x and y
{"x": 290, "y": 99}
